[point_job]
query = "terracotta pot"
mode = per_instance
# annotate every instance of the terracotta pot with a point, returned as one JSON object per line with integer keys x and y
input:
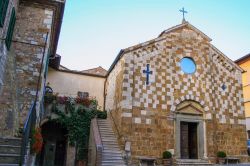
{"x": 167, "y": 162}
{"x": 221, "y": 160}
{"x": 81, "y": 163}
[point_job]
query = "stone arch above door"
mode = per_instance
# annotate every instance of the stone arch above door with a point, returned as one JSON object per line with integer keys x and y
{"x": 189, "y": 98}
{"x": 189, "y": 107}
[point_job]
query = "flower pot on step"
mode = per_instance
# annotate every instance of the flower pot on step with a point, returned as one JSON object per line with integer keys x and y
{"x": 221, "y": 160}
{"x": 167, "y": 162}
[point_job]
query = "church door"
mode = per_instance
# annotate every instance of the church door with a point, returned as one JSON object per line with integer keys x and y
{"x": 189, "y": 148}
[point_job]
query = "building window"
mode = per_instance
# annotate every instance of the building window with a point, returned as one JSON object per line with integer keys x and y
{"x": 10, "y": 31}
{"x": 188, "y": 65}
{"x": 3, "y": 10}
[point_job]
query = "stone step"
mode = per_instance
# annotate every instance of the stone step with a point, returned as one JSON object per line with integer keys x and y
{"x": 189, "y": 162}
{"x": 104, "y": 124}
{"x": 112, "y": 157}
{"x": 102, "y": 120}
{"x": 102, "y": 131}
{"x": 108, "y": 136}
{"x": 112, "y": 153}
{"x": 106, "y": 128}
{"x": 9, "y": 149}
{"x": 9, "y": 158}
{"x": 108, "y": 153}
{"x": 109, "y": 143}
{"x": 112, "y": 164}
{"x": 108, "y": 140}
{"x": 107, "y": 133}
{"x": 111, "y": 146}
{"x": 107, "y": 148}
{"x": 112, "y": 161}
{"x": 108, "y": 125}
{"x": 10, "y": 141}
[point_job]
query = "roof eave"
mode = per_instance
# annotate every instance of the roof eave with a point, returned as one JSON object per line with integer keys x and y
{"x": 190, "y": 26}
{"x": 118, "y": 57}
{"x": 242, "y": 58}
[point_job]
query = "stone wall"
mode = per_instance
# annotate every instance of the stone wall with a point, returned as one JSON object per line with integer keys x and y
{"x": 23, "y": 64}
{"x": 113, "y": 98}
{"x": 148, "y": 111}
{"x": 8, "y": 87}
{"x": 3, "y": 49}
{"x": 33, "y": 24}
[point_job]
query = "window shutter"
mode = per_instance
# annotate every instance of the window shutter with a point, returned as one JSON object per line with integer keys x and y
{"x": 3, "y": 10}
{"x": 11, "y": 27}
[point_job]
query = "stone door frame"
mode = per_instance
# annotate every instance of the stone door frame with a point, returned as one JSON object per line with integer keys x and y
{"x": 200, "y": 134}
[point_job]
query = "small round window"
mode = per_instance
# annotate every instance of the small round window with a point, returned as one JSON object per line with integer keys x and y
{"x": 188, "y": 65}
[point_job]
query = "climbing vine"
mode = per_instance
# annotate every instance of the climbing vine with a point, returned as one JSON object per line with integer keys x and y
{"x": 76, "y": 118}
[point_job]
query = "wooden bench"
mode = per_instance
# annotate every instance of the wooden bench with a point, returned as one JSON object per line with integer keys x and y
{"x": 232, "y": 159}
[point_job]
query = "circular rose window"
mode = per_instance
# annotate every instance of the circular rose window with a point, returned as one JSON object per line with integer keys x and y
{"x": 188, "y": 65}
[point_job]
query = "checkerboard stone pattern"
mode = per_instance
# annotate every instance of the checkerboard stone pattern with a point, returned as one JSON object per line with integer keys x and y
{"x": 146, "y": 112}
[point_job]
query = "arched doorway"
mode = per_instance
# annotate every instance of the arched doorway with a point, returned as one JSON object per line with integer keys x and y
{"x": 189, "y": 129}
{"x": 54, "y": 146}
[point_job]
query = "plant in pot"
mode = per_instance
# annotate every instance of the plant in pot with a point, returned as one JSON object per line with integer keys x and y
{"x": 167, "y": 158}
{"x": 221, "y": 155}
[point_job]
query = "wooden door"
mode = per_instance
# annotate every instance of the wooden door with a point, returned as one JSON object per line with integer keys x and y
{"x": 184, "y": 140}
{"x": 192, "y": 141}
{"x": 49, "y": 154}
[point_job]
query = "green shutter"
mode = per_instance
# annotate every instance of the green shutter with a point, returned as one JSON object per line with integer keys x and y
{"x": 11, "y": 27}
{"x": 3, "y": 10}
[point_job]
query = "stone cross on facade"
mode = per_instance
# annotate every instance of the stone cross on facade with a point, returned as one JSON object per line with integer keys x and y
{"x": 147, "y": 72}
{"x": 183, "y": 14}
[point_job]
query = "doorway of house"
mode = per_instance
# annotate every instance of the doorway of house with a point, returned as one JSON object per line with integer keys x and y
{"x": 54, "y": 145}
{"x": 189, "y": 143}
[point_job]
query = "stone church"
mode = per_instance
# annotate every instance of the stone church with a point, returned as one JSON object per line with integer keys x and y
{"x": 179, "y": 93}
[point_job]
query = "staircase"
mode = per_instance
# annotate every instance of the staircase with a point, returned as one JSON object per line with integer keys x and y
{"x": 111, "y": 155}
{"x": 190, "y": 162}
{"x": 10, "y": 151}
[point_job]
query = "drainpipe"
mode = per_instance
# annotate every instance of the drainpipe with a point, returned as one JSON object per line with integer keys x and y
{"x": 104, "y": 95}
{"x": 41, "y": 66}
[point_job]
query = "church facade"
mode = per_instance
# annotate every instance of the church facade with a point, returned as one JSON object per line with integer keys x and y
{"x": 179, "y": 93}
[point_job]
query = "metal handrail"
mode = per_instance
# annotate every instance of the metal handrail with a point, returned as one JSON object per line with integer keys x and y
{"x": 29, "y": 124}
{"x": 116, "y": 128}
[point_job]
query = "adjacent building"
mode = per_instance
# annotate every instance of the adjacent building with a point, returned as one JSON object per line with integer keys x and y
{"x": 29, "y": 33}
{"x": 66, "y": 82}
{"x": 244, "y": 63}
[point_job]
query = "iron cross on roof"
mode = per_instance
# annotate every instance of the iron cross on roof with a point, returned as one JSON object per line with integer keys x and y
{"x": 183, "y": 13}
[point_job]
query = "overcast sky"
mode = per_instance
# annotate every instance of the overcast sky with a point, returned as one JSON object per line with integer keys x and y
{"x": 94, "y": 31}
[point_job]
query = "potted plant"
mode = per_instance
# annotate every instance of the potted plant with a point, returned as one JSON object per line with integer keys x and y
{"x": 167, "y": 158}
{"x": 221, "y": 155}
